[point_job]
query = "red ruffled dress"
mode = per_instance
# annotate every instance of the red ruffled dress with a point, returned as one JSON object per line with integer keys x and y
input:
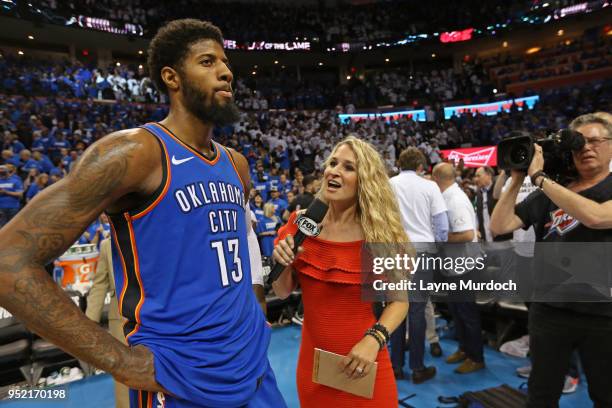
{"x": 335, "y": 319}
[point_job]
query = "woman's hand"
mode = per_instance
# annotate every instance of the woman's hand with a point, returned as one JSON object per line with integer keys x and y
{"x": 283, "y": 251}
{"x": 361, "y": 359}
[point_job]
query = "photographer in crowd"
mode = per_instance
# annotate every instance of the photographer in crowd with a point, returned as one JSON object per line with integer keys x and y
{"x": 581, "y": 211}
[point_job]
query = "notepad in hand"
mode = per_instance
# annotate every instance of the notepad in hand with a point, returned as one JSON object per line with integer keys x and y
{"x": 326, "y": 371}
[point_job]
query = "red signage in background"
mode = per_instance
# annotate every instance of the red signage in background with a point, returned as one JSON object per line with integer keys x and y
{"x": 456, "y": 36}
{"x": 473, "y": 156}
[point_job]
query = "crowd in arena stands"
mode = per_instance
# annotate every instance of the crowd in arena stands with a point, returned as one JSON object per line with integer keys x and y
{"x": 281, "y": 21}
{"x": 27, "y": 76}
{"x": 43, "y": 137}
{"x": 568, "y": 57}
{"x": 276, "y": 90}
{"x": 381, "y": 87}
{"x": 401, "y": 87}
{"x": 281, "y": 88}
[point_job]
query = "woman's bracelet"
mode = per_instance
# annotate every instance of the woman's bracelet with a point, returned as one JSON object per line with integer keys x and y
{"x": 383, "y": 330}
{"x": 373, "y": 333}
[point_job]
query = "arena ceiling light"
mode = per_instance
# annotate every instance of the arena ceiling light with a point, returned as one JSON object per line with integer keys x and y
{"x": 320, "y": 64}
{"x": 20, "y": 52}
{"x": 387, "y": 60}
{"x": 533, "y": 50}
{"x": 140, "y": 52}
{"x": 30, "y": 37}
{"x": 505, "y": 44}
{"x": 560, "y": 33}
{"x": 276, "y": 61}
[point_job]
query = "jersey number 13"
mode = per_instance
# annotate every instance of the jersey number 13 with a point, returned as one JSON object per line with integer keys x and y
{"x": 236, "y": 273}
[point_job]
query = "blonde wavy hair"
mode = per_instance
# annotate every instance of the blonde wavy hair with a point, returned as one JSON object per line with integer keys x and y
{"x": 377, "y": 205}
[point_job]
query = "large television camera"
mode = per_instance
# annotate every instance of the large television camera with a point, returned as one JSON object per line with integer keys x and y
{"x": 516, "y": 152}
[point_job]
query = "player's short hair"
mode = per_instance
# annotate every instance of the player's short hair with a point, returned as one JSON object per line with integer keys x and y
{"x": 171, "y": 44}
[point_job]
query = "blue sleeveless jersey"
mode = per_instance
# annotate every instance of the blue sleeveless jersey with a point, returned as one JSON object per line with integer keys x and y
{"x": 183, "y": 278}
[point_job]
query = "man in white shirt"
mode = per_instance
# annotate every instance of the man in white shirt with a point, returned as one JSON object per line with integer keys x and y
{"x": 462, "y": 229}
{"x": 424, "y": 218}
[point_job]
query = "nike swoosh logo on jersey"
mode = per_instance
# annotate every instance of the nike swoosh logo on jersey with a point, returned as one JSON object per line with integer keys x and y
{"x": 176, "y": 161}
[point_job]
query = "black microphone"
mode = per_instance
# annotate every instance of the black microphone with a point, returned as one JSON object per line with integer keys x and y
{"x": 308, "y": 225}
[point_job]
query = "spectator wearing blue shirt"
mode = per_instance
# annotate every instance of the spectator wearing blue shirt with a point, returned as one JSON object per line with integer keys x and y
{"x": 11, "y": 191}
{"x": 257, "y": 206}
{"x": 273, "y": 176}
{"x": 96, "y": 232}
{"x": 279, "y": 204}
{"x": 40, "y": 184}
{"x": 282, "y": 157}
{"x": 43, "y": 161}
{"x": 260, "y": 183}
{"x": 12, "y": 143}
{"x": 38, "y": 142}
{"x": 8, "y": 157}
{"x": 59, "y": 129}
{"x": 55, "y": 175}
{"x": 284, "y": 186}
{"x": 27, "y": 163}
{"x": 30, "y": 165}
{"x": 266, "y": 230}
{"x": 66, "y": 159}
{"x": 57, "y": 145}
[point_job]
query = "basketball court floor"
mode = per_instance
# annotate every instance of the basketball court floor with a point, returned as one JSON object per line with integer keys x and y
{"x": 97, "y": 391}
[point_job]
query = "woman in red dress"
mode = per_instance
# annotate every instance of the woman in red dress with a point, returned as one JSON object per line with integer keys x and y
{"x": 362, "y": 208}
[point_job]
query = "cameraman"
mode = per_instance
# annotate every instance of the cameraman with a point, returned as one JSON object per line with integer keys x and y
{"x": 585, "y": 205}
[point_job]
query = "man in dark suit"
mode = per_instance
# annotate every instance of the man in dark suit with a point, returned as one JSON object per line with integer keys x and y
{"x": 485, "y": 203}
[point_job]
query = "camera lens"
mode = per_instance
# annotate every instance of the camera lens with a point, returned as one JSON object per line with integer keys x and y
{"x": 519, "y": 154}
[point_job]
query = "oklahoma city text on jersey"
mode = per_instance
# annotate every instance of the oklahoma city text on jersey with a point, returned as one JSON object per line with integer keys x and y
{"x": 199, "y": 194}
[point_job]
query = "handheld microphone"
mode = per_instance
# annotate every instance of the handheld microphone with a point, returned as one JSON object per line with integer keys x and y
{"x": 308, "y": 225}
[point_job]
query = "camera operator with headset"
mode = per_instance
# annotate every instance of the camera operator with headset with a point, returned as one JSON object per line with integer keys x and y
{"x": 578, "y": 212}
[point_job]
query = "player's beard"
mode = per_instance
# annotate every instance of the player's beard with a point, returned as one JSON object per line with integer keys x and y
{"x": 215, "y": 113}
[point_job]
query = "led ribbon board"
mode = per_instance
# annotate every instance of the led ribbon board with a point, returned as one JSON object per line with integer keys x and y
{"x": 492, "y": 108}
{"x": 418, "y": 115}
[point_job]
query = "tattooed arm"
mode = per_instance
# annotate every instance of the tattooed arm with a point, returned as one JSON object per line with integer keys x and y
{"x": 123, "y": 164}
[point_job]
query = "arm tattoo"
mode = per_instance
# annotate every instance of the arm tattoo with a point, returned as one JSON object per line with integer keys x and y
{"x": 97, "y": 174}
{"x": 42, "y": 231}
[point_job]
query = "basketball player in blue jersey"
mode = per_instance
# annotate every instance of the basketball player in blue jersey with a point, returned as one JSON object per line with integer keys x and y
{"x": 176, "y": 201}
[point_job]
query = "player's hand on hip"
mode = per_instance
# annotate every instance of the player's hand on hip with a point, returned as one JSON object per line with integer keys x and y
{"x": 138, "y": 371}
{"x": 283, "y": 251}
